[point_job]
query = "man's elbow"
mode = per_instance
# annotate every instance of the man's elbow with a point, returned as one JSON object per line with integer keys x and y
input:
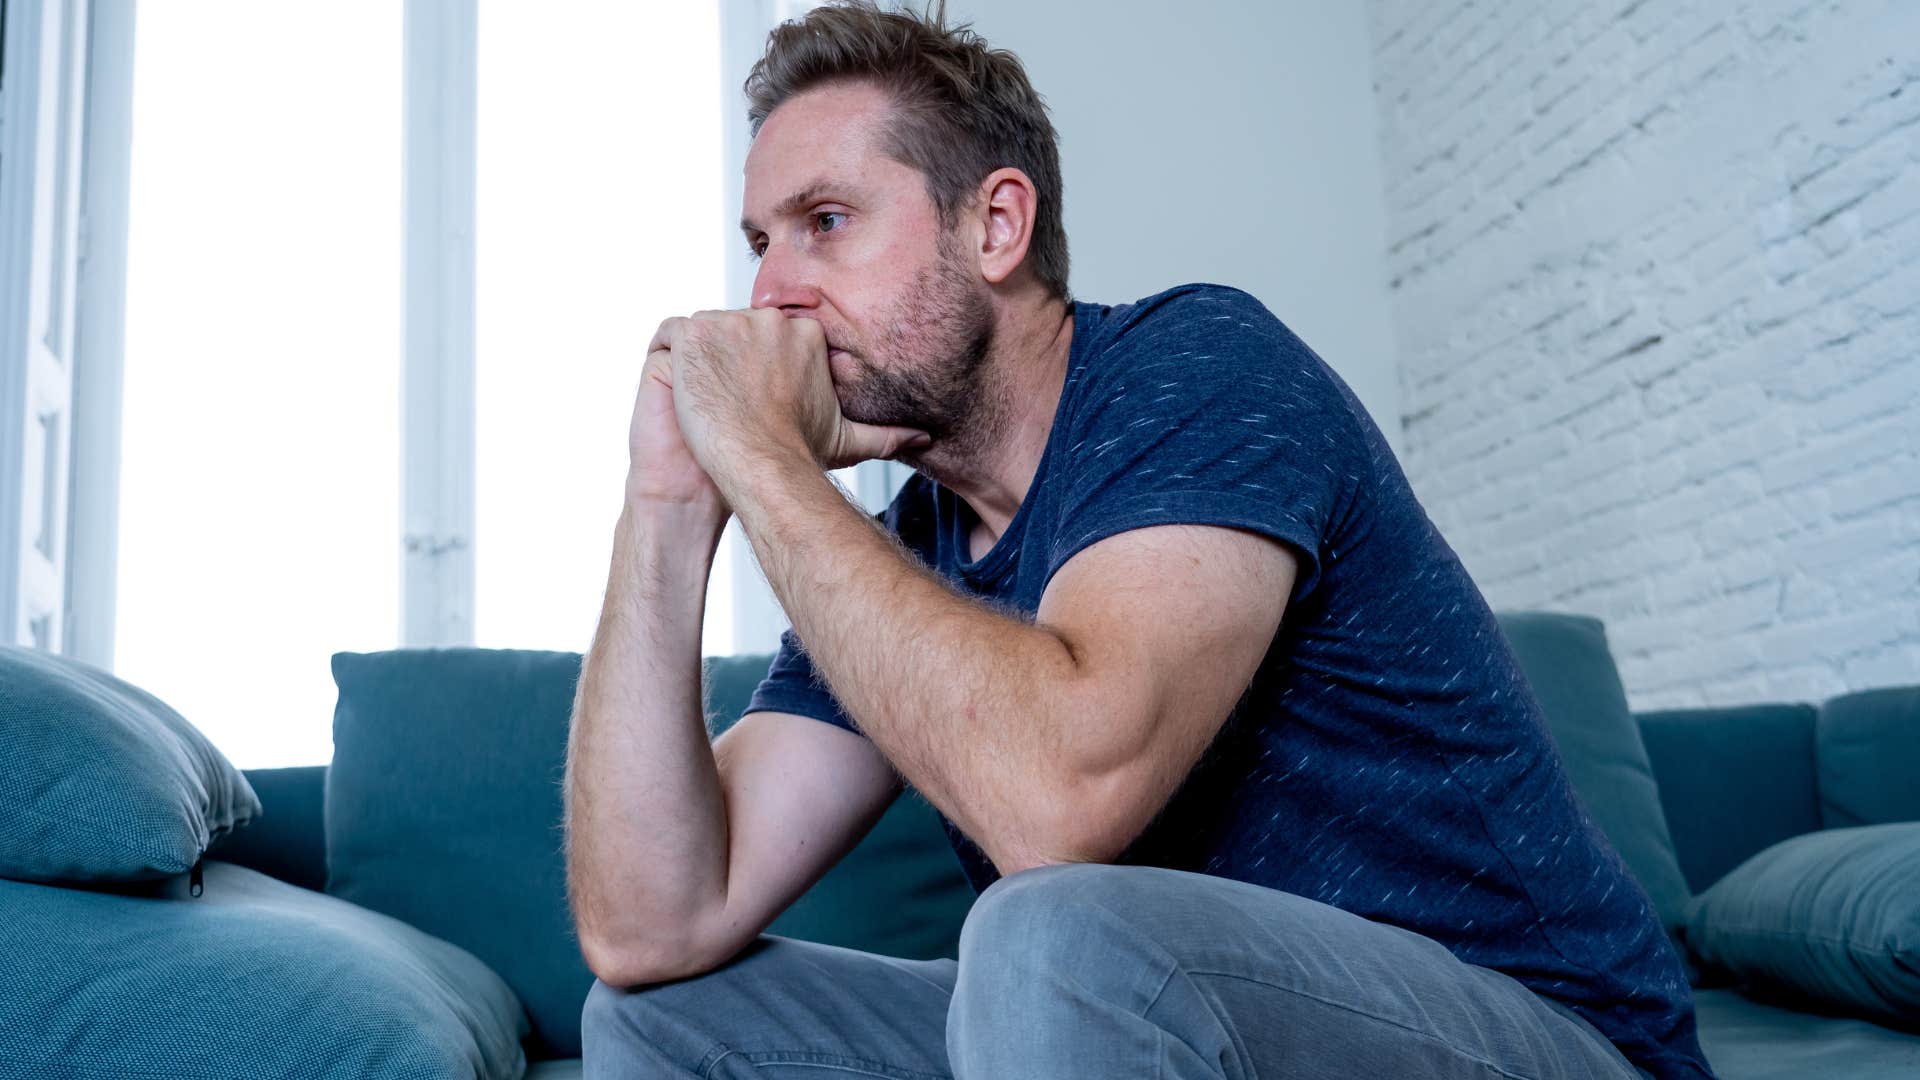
{"x": 626, "y": 964}
{"x": 1080, "y": 828}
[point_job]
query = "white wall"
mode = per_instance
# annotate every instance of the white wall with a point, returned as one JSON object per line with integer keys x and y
{"x": 1656, "y": 278}
{"x": 1220, "y": 141}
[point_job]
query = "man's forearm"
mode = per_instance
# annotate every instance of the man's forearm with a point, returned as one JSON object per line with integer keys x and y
{"x": 972, "y": 706}
{"x": 646, "y": 823}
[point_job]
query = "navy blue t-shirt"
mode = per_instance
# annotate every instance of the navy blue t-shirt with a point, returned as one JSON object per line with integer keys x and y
{"x": 1389, "y": 757}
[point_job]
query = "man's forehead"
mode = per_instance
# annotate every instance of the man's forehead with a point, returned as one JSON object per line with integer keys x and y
{"x": 827, "y": 137}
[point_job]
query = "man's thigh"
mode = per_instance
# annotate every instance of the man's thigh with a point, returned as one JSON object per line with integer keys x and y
{"x": 1232, "y": 979}
{"x": 780, "y": 1008}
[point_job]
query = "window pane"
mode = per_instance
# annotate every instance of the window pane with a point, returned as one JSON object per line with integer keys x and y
{"x": 259, "y": 517}
{"x": 599, "y": 215}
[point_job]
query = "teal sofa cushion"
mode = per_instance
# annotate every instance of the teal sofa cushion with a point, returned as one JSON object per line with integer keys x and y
{"x": 1734, "y": 780}
{"x": 288, "y": 839}
{"x": 443, "y": 809}
{"x": 1830, "y": 919}
{"x": 1567, "y": 663}
{"x": 901, "y": 892}
{"x": 253, "y": 979}
{"x": 1869, "y": 756}
{"x": 102, "y": 781}
{"x": 1752, "y": 1040}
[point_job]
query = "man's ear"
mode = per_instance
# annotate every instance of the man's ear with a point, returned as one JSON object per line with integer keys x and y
{"x": 1010, "y": 207}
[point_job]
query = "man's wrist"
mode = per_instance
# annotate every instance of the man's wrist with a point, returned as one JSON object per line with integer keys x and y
{"x": 669, "y": 524}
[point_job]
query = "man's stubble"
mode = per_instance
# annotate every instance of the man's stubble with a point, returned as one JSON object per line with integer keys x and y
{"x": 937, "y": 344}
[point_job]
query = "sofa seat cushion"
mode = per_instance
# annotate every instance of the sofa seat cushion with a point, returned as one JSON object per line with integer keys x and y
{"x": 1747, "y": 1039}
{"x": 254, "y": 979}
{"x": 104, "y": 782}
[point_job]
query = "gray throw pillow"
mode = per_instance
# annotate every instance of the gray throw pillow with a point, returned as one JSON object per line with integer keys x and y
{"x": 1830, "y": 918}
{"x": 252, "y": 980}
{"x": 104, "y": 782}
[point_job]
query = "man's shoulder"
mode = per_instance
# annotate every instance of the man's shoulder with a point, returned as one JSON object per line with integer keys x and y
{"x": 1190, "y": 303}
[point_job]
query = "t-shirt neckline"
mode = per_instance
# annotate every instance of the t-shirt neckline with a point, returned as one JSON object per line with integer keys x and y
{"x": 961, "y": 517}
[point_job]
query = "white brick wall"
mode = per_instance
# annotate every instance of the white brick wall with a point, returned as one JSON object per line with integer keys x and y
{"x": 1656, "y": 281}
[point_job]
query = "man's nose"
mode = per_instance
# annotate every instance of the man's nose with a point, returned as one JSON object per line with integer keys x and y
{"x": 782, "y": 282}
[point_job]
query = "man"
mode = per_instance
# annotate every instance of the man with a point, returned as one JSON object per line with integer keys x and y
{"x": 1247, "y": 776}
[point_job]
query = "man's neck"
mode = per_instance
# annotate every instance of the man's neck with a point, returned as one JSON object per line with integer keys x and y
{"x": 1026, "y": 371}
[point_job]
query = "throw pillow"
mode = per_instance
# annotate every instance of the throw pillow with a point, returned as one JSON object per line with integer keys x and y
{"x": 1830, "y": 917}
{"x": 443, "y": 810}
{"x": 256, "y": 978}
{"x": 104, "y": 782}
{"x": 1567, "y": 663}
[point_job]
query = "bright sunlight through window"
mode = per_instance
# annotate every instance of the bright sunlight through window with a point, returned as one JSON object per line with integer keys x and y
{"x": 259, "y": 486}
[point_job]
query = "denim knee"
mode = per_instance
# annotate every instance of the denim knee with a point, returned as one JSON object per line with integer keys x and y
{"x": 624, "y": 1034}
{"x": 1064, "y": 918}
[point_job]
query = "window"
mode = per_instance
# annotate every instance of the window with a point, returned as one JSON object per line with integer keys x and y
{"x": 259, "y": 487}
{"x": 264, "y": 433}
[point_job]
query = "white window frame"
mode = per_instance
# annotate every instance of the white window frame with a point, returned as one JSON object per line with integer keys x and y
{"x": 41, "y": 121}
{"x": 439, "y": 73}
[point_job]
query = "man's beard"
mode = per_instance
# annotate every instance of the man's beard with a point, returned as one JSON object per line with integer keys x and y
{"x": 935, "y": 343}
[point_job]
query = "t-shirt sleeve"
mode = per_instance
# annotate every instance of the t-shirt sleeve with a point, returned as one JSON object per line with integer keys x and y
{"x": 792, "y": 686}
{"x": 1207, "y": 410}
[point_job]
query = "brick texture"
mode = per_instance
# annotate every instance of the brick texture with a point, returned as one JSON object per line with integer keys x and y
{"x": 1655, "y": 271}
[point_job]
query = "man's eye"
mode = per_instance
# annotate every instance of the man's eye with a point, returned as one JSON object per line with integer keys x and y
{"x": 824, "y": 214}
{"x": 754, "y": 251}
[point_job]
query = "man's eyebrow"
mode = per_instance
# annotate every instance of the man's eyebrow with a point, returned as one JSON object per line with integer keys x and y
{"x": 800, "y": 200}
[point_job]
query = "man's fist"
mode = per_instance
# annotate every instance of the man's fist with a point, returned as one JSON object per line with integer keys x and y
{"x": 753, "y": 383}
{"x": 661, "y": 468}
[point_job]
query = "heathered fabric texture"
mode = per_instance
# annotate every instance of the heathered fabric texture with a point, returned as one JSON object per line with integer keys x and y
{"x": 1389, "y": 757}
{"x": 254, "y": 979}
{"x": 102, "y": 781}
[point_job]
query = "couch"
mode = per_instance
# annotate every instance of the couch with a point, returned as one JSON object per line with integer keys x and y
{"x": 439, "y": 816}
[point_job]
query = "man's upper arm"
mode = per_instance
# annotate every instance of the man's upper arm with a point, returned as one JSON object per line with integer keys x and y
{"x": 799, "y": 795}
{"x": 1167, "y": 625}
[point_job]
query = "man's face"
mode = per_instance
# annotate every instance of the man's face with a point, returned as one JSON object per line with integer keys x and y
{"x": 849, "y": 237}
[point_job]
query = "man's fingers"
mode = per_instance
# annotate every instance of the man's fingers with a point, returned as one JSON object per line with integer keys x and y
{"x": 864, "y": 442}
{"x": 669, "y": 333}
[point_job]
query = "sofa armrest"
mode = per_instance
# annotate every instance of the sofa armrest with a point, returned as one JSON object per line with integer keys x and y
{"x": 288, "y": 840}
{"x": 1734, "y": 780}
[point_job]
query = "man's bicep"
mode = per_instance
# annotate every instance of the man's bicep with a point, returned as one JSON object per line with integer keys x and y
{"x": 1167, "y": 625}
{"x": 800, "y": 794}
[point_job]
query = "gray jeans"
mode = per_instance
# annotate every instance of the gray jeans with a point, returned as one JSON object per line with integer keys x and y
{"x": 1089, "y": 970}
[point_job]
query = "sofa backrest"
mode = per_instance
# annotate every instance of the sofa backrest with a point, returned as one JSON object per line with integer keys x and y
{"x": 289, "y": 839}
{"x": 1733, "y": 781}
{"x": 1867, "y": 757}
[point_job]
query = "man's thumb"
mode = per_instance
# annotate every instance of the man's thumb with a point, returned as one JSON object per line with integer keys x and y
{"x": 863, "y": 442}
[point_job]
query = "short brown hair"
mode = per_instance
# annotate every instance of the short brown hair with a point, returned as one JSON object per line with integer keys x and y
{"x": 961, "y": 109}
